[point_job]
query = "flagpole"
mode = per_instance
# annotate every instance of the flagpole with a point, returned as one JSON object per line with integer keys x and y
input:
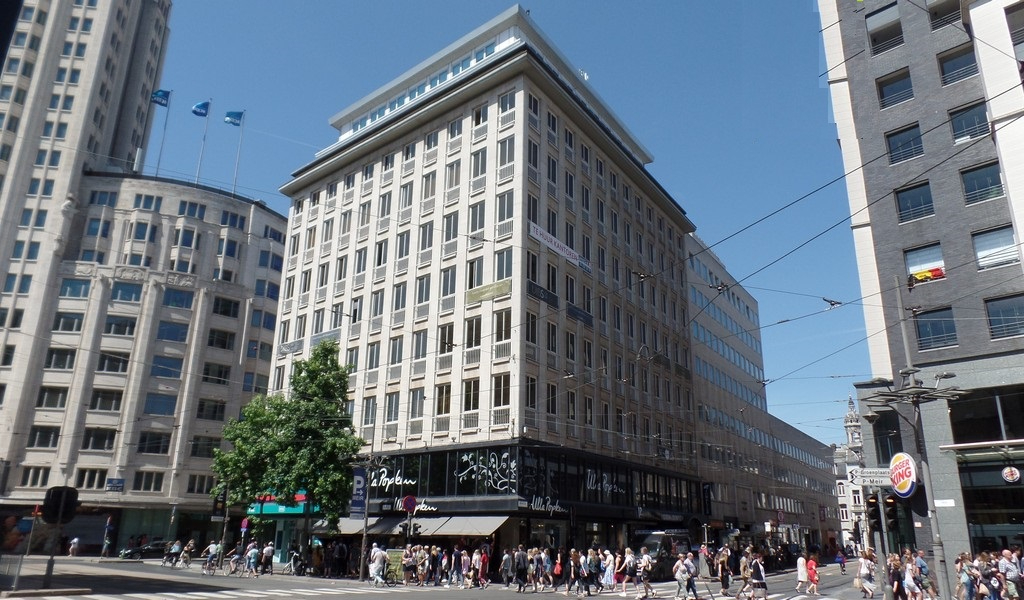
{"x": 202, "y": 146}
{"x": 163, "y": 136}
{"x": 238, "y": 152}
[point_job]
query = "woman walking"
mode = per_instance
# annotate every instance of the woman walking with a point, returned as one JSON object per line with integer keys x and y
{"x": 812, "y": 575}
{"x": 866, "y": 572}
{"x": 801, "y": 572}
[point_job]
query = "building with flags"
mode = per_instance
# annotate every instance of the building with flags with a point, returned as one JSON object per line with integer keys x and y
{"x": 519, "y": 330}
{"x": 136, "y": 313}
{"x": 927, "y": 100}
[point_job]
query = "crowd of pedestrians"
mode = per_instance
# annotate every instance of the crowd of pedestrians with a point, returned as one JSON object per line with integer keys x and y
{"x": 568, "y": 571}
{"x": 983, "y": 576}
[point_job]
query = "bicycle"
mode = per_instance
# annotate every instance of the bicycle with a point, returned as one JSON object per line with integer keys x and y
{"x": 294, "y": 565}
{"x": 210, "y": 566}
{"x": 184, "y": 561}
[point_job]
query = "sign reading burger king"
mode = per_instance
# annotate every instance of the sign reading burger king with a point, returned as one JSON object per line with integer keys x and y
{"x": 903, "y": 474}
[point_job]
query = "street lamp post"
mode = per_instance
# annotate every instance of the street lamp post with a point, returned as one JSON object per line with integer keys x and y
{"x": 914, "y": 395}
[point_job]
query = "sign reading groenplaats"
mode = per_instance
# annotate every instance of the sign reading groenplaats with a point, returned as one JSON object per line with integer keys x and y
{"x": 903, "y": 474}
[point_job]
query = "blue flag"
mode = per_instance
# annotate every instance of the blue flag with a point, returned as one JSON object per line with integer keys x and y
{"x": 234, "y": 118}
{"x": 201, "y": 109}
{"x": 161, "y": 97}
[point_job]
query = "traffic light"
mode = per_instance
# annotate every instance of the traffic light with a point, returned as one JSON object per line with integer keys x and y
{"x": 60, "y": 505}
{"x": 416, "y": 529}
{"x": 404, "y": 526}
{"x": 874, "y": 513}
{"x": 892, "y": 513}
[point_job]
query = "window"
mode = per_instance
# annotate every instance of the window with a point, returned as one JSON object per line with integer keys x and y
{"x": 925, "y": 263}
{"x": 74, "y": 288}
{"x": 147, "y": 481}
{"x": 474, "y": 273}
{"x": 98, "y": 228}
{"x": 969, "y": 123}
{"x": 215, "y": 373}
{"x": 884, "y": 29}
{"x": 225, "y": 307}
{"x": 453, "y": 175}
{"x": 914, "y": 203}
{"x": 175, "y": 298}
{"x": 166, "y": 366}
{"x": 210, "y": 410}
{"x": 160, "y": 404}
{"x": 904, "y": 144}
{"x": 65, "y": 321}
{"x": 503, "y": 325}
{"x": 1005, "y": 316}
{"x": 96, "y": 438}
{"x": 203, "y": 446}
{"x": 148, "y": 202}
{"x": 113, "y": 362}
{"x": 995, "y": 247}
{"x": 935, "y": 329}
{"x": 451, "y": 226}
{"x": 60, "y": 358}
{"x": 423, "y": 289}
{"x": 200, "y": 484}
{"x": 505, "y": 206}
{"x": 52, "y": 397}
{"x": 429, "y": 186}
{"x": 958, "y": 64}
{"x": 445, "y": 338}
{"x": 91, "y": 479}
{"x": 126, "y": 292}
{"x": 455, "y": 129}
{"x": 152, "y": 442}
{"x": 471, "y": 395}
{"x": 230, "y": 219}
{"x": 7, "y": 356}
{"x": 35, "y": 476}
{"x": 43, "y": 437}
{"x": 501, "y": 390}
{"x": 119, "y": 325}
{"x": 106, "y": 400}
{"x": 894, "y": 88}
{"x": 982, "y": 183}
{"x": 503, "y": 264}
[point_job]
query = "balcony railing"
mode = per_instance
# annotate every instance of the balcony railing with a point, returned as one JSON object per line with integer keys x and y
{"x": 949, "y": 19}
{"x": 961, "y": 73}
{"x": 887, "y": 45}
{"x": 909, "y": 214}
{"x": 980, "y": 195}
{"x": 894, "y": 99}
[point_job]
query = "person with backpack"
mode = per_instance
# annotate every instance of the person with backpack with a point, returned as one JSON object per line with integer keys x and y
{"x": 745, "y": 570}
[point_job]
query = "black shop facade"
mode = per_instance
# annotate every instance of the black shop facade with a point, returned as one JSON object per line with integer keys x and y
{"x": 536, "y": 495}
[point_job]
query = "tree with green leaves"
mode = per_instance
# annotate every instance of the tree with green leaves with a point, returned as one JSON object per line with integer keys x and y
{"x": 284, "y": 446}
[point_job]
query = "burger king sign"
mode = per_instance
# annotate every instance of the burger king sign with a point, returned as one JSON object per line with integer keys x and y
{"x": 903, "y": 475}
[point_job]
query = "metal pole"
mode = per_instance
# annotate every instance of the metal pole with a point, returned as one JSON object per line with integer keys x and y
{"x": 938, "y": 550}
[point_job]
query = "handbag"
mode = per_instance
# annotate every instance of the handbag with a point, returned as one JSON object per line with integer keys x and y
{"x": 558, "y": 568}
{"x": 858, "y": 583}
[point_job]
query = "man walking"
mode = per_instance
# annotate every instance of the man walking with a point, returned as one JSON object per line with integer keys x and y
{"x": 521, "y": 566}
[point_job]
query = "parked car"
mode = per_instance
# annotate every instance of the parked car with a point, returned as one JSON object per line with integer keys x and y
{"x": 154, "y": 549}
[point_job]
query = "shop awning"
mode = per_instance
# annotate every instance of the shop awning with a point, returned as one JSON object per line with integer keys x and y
{"x": 350, "y": 526}
{"x": 470, "y": 526}
{"x": 430, "y": 525}
{"x": 386, "y": 526}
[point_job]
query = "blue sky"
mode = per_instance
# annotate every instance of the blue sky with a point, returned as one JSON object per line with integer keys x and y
{"x": 726, "y": 95}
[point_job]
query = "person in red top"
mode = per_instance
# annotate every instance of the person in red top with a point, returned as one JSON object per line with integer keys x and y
{"x": 485, "y": 562}
{"x": 812, "y": 575}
